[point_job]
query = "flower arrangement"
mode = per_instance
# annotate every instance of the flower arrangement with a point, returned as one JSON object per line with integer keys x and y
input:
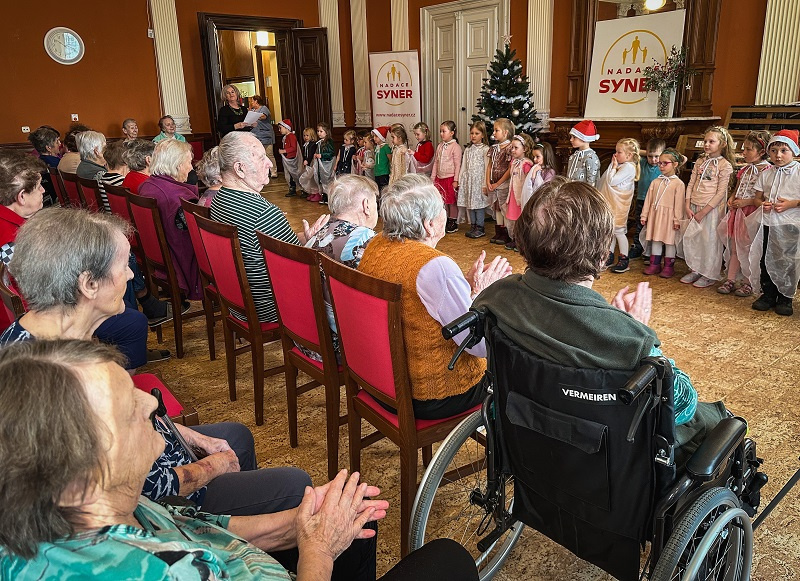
{"x": 669, "y": 75}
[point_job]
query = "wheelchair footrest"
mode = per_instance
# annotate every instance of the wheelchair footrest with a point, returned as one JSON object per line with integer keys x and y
{"x": 486, "y": 542}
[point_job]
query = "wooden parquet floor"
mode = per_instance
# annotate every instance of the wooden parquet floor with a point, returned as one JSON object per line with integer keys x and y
{"x": 750, "y": 360}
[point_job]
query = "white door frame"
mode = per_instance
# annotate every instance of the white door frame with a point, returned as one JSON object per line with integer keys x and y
{"x": 427, "y": 15}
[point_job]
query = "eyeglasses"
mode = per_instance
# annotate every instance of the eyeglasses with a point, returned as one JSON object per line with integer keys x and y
{"x": 665, "y": 162}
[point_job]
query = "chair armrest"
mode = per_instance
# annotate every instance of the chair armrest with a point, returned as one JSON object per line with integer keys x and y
{"x": 716, "y": 449}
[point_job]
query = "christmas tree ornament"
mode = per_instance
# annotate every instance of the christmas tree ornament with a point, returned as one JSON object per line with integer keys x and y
{"x": 494, "y": 91}
{"x": 515, "y": 113}
{"x": 505, "y": 71}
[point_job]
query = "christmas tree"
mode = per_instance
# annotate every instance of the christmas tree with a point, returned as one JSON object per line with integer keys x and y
{"x": 507, "y": 93}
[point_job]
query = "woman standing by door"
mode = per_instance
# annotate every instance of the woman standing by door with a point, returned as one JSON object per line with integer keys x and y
{"x": 231, "y": 115}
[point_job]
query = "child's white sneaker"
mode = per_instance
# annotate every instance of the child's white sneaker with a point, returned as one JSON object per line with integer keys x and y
{"x": 690, "y": 278}
{"x": 703, "y": 282}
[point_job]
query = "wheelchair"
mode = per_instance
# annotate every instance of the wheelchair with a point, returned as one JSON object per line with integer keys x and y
{"x": 589, "y": 458}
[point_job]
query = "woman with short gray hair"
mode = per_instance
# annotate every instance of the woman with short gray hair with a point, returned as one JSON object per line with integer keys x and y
{"x": 435, "y": 292}
{"x": 90, "y": 147}
{"x": 71, "y": 266}
{"x": 209, "y": 173}
{"x": 137, "y": 156}
{"x": 171, "y": 164}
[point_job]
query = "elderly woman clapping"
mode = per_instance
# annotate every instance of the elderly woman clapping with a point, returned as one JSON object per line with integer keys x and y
{"x": 83, "y": 442}
{"x": 172, "y": 162}
{"x": 435, "y": 292}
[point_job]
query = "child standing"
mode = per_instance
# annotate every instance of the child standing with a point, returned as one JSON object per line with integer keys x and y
{"x": 288, "y": 151}
{"x": 368, "y": 157}
{"x": 498, "y": 172}
{"x": 422, "y": 160}
{"x": 778, "y": 192}
{"x": 617, "y": 186}
{"x": 584, "y": 165}
{"x": 383, "y": 157}
{"x": 521, "y": 152}
{"x": 308, "y": 185}
{"x": 445, "y": 172}
{"x": 472, "y": 179}
{"x": 734, "y": 227}
{"x": 323, "y": 163}
{"x": 400, "y": 149}
{"x": 648, "y": 171}
{"x": 662, "y": 211}
{"x": 544, "y": 169}
{"x": 706, "y": 197}
{"x": 346, "y": 153}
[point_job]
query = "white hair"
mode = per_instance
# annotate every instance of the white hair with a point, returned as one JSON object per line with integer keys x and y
{"x": 208, "y": 167}
{"x": 167, "y": 156}
{"x": 88, "y": 143}
{"x": 235, "y": 147}
{"x": 347, "y": 192}
{"x": 407, "y": 205}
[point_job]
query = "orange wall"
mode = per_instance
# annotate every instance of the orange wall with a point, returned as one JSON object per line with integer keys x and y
{"x": 379, "y": 25}
{"x": 115, "y": 79}
{"x": 348, "y": 86}
{"x": 189, "y": 32}
{"x": 562, "y": 22}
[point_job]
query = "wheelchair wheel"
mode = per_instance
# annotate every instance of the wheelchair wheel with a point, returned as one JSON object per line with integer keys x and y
{"x": 442, "y": 508}
{"x": 713, "y": 540}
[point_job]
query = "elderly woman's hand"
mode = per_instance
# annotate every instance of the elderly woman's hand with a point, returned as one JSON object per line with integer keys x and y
{"x": 325, "y": 530}
{"x": 637, "y": 304}
{"x": 310, "y": 231}
{"x": 481, "y": 276}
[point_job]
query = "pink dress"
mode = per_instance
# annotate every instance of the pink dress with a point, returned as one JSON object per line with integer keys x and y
{"x": 519, "y": 171}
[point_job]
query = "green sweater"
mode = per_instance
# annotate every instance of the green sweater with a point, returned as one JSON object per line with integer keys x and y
{"x": 567, "y": 323}
{"x": 382, "y": 160}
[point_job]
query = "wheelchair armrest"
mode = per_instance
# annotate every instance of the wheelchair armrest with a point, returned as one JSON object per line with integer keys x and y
{"x": 716, "y": 449}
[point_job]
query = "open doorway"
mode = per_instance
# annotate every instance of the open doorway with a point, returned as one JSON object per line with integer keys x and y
{"x": 275, "y": 57}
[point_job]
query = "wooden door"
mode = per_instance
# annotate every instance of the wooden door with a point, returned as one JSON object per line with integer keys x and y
{"x": 446, "y": 85}
{"x": 479, "y": 38}
{"x": 304, "y": 79}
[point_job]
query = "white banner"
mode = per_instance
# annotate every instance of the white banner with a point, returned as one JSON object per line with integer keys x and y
{"x": 622, "y": 49}
{"x": 395, "y": 89}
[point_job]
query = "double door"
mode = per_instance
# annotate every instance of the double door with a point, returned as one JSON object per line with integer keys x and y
{"x": 459, "y": 40}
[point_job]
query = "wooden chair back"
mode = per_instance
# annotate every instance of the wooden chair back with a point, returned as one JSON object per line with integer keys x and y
{"x": 58, "y": 186}
{"x": 71, "y": 187}
{"x": 90, "y": 194}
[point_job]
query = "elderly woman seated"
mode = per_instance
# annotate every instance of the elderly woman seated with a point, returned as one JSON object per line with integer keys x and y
{"x": 83, "y": 440}
{"x": 551, "y": 310}
{"x": 90, "y": 146}
{"x": 435, "y": 292}
{"x": 170, "y": 166}
{"x": 245, "y": 171}
{"x": 47, "y": 143}
{"x": 208, "y": 172}
{"x": 168, "y": 130}
{"x": 71, "y": 159}
{"x": 71, "y": 267}
{"x": 21, "y": 194}
{"x": 137, "y": 156}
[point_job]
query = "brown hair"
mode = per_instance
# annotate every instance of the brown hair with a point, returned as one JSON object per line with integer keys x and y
{"x": 258, "y": 99}
{"x": 327, "y": 130}
{"x": 19, "y": 172}
{"x": 656, "y": 144}
{"x": 136, "y": 153}
{"x": 480, "y": 126}
{"x": 761, "y": 140}
{"x": 400, "y": 132}
{"x": 548, "y": 156}
{"x": 527, "y": 143}
{"x": 676, "y": 156}
{"x": 114, "y": 154}
{"x": 51, "y": 438}
{"x": 565, "y": 231}
{"x": 451, "y": 125}
{"x": 69, "y": 139}
{"x": 422, "y": 126}
{"x": 42, "y": 138}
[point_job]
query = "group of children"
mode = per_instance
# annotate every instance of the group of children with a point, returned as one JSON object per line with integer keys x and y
{"x": 749, "y": 222}
{"x": 754, "y": 230}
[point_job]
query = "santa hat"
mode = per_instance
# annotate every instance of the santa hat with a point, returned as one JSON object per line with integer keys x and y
{"x": 287, "y": 123}
{"x": 381, "y": 132}
{"x": 789, "y": 137}
{"x": 586, "y": 131}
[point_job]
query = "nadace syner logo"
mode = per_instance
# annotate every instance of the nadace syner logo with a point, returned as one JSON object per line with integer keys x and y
{"x": 624, "y": 63}
{"x": 393, "y": 83}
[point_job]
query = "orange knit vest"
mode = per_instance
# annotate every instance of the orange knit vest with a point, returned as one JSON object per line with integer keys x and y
{"x": 427, "y": 352}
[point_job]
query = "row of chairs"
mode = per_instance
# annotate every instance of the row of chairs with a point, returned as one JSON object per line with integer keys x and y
{"x": 373, "y": 362}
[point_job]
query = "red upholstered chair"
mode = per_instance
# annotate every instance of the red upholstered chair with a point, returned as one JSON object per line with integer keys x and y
{"x": 70, "y": 182}
{"x": 58, "y": 185}
{"x": 177, "y": 411}
{"x": 368, "y": 318}
{"x": 158, "y": 259}
{"x": 210, "y": 294}
{"x": 90, "y": 195}
{"x": 221, "y": 242}
{"x": 13, "y": 307}
{"x": 296, "y": 283}
{"x": 197, "y": 149}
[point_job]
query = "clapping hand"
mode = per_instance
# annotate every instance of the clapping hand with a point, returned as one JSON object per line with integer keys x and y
{"x": 482, "y": 275}
{"x": 637, "y": 304}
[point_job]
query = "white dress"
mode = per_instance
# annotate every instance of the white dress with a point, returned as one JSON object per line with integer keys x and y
{"x": 472, "y": 180}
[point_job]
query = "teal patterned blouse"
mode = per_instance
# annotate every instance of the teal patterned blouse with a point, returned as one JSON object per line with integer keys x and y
{"x": 172, "y": 543}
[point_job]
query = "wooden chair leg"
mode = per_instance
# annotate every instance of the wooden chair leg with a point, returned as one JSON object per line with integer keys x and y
{"x": 332, "y": 399}
{"x": 257, "y": 350}
{"x": 177, "y": 324}
{"x": 427, "y": 455}
{"x": 291, "y": 401}
{"x": 354, "y": 433}
{"x": 208, "y": 307}
{"x": 408, "y": 489}
{"x": 230, "y": 359}
{"x": 159, "y": 335}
